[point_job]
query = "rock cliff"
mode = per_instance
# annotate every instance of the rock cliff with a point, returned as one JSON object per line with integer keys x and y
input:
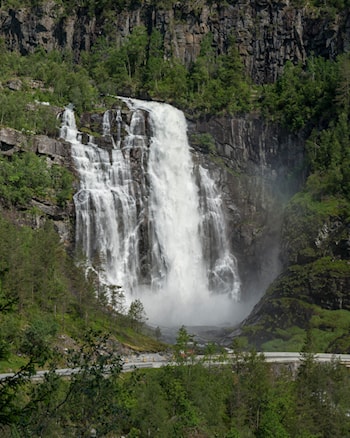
{"x": 267, "y": 33}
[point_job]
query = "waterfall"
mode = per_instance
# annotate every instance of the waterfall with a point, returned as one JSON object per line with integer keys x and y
{"x": 106, "y": 217}
{"x": 222, "y": 267}
{"x": 153, "y": 218}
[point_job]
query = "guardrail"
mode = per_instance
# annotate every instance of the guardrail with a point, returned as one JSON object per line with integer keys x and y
{"x": 270, "y": 357}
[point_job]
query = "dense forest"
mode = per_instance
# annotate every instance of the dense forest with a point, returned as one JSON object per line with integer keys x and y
{"x": 52, "y": 314}
{"x": 245, "y": 398}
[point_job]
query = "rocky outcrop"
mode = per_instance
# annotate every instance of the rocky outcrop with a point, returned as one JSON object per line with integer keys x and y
{"x": 267, "y": 33}
{"x": 11, "y": 141}
{"x": 296, "y": 301}
{"x": 58, "y": 151}
{"x": 253, "y": 146}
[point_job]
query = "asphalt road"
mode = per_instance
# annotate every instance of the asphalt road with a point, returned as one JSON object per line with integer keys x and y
{"x": 157, "y": 361}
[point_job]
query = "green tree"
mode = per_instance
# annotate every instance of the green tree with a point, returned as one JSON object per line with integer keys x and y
{"x": 90, "y": 399}
{"x": 321, "y": 400}
{"x": 137, "y": 314}
{"x": 12, "y": 388}
{"x": 205, "y": 67}
{"x": 173, "y": 84}
{"x": 23, "y": 177}
{"x": 184, "y": 417}
{"x": 250, "y": 391}
{"x": 184, "y": 346}
{"x": 134, "y": 52}
{"x": 117, "y": 298}
{"x": 149, "y": 414}
{"x": 232, "y": 79}
{"x": 302, "y": 95}
{"x": 343, "y": 84}
{"x": 156, "y": 65}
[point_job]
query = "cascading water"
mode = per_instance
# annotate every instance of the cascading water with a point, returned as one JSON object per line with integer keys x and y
{"x": 221, "y": 265}
{"x": 161, "y": 236}
{"x": 106, "y": 216}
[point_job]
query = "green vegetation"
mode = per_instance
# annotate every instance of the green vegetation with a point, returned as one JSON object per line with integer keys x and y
{"x": 303, "y": 94}
{"x": 311, "y": 296}
{"x": 140, "y": 66}
{"x": 44, "y": 296}
{"x": 137, "y": 315}
{"x": 244, "y": 398}
{"x": 212, "y": 84}
{"x": 41, "y": 77}
{"x": 26, "y": 176}
{"x": 205, "y": 142}
{"x": 329, "y": 329}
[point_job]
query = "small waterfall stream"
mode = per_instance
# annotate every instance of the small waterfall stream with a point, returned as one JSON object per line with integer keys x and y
{"x": 153, "y": 218}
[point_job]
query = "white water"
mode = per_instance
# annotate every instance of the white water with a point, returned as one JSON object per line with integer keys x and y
{"x": 161, "y": 237}
{"x": 106, "y": 217}
{"x": 222, "y": 267}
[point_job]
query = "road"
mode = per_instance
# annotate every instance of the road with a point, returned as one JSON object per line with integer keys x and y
{"x": 157, "y": 361}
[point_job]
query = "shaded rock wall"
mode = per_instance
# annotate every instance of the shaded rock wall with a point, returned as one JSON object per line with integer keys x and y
{"x": 257, "y": 167}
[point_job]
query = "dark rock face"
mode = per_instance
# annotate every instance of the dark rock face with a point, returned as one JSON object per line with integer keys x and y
{"x": 257, "y": 166}
{"x": 267, "y": 33}
{"x": 12, "y": 141}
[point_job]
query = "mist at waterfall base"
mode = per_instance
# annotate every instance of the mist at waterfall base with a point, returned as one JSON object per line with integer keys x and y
{"x": 159, "y": 229}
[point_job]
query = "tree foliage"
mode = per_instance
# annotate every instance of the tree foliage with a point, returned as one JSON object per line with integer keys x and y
{"x": 245, "y": 398}
{"x": 302, "y": 94}
{"x": 26, "y": 176}
{"x": 137, "y": 314}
